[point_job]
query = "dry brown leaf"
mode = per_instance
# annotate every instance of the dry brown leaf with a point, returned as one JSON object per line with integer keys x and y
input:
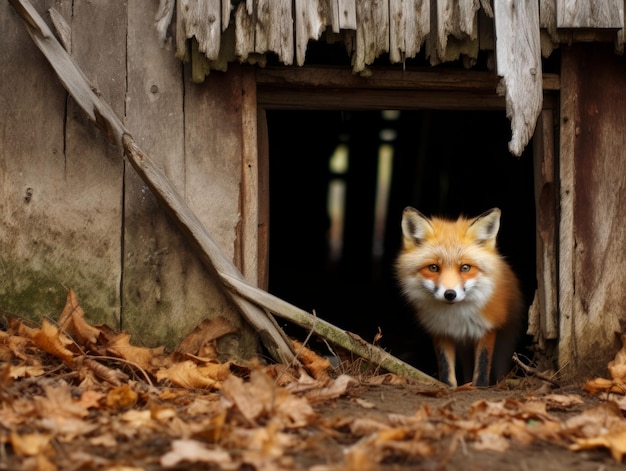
{"x": 614, "y": 439}
{"x": 31, "y": 444}
{"x": 192, "y": 451}
{"x": 315, "y": 364}
{"x": 261, "y": 396}
{"x": 603, "y": 385}
{"x": 59, "y": 403}
{"x": 50, "y": 339}
{"x": 121, "y": 397}
{"x": 143, "y": 357}
{"x": 24, "y": 371}
{"x": 72, "y": 321}
{"x": 188, "y": 374}
{"x": 200, "y": 342}
{"x": 334, "y": 389}
{"x": 617, "y": 366}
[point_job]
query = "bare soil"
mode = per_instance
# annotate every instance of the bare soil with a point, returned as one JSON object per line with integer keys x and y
{"x": 407, "y": 399}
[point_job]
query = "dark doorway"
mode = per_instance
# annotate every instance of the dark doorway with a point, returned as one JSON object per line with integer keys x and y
{"x": 338, "y": 183}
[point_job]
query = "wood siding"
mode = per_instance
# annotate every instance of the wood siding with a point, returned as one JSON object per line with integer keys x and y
{"x": 593, "y": 208}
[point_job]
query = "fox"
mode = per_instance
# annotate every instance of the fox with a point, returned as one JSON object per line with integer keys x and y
{"x": 464, "y": 294}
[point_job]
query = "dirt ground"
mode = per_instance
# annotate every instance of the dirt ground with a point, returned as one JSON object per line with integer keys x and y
{"x": 325, "y": 443}
{"x": 79, "y": 397}
{"x": 407, "y": 399}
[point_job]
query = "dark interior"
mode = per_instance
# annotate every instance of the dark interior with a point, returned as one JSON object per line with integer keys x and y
{"x": 360, "y": 169}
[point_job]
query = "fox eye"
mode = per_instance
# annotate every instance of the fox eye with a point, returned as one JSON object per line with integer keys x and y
{"x": 465, "y": 268}
{"x": 433, "y": 267}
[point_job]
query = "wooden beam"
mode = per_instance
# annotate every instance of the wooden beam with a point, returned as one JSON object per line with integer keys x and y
{"x": 389, "y": 78}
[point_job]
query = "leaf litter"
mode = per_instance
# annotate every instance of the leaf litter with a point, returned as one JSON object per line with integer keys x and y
{"x": 78, "y": 396}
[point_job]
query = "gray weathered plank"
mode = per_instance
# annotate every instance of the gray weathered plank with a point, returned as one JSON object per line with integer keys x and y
{"x": 409, "y": 25}
{"x": 347, "y": 14}
{"x": 274, "y": 31}
{"x": 311, "y": 18}
{"x": 202, "y": 19}
{"x": 372, "y": 34}
{"x": 590, "y": 14}
{"x": 518, "y": 60}
{"x": 162, "y": 276}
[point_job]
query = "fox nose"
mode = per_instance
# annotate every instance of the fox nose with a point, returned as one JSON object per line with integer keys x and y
{"x": 449, "y": 294}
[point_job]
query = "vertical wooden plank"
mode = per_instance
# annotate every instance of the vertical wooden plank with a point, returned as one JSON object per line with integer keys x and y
{"x": 454, "y": 30}
{"x": 202, "y": 20}
{"x": 264, "y": 199}
{"x": 409, "y": 23}
{"x": 518, "y": 60}
{"x": 94, "y": 168}
{"x": 32, "y": 222}
{"x": 311, "y": 18}
{"x": 213, "y": 172}
{"x": 166, "y": 289}
{"x": 593, "y": 208}
{"x": 274, "y": 29}
{"x": 249, "y": 231}
{"x": 347, "y": 14}
{"x": 590, "y": 14}
{"x": 567, "y": 351}
{"x": 372, "y": 34}
{"x": 543, "y": 316}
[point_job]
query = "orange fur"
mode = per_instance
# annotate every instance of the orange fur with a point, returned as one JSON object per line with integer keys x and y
{"x": 462, "y": 290}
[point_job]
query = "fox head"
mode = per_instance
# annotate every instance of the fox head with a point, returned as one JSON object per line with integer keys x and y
{"x": 446, "y": 261}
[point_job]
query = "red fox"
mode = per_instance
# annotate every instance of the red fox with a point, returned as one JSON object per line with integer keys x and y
{"x": 465, "y": 295}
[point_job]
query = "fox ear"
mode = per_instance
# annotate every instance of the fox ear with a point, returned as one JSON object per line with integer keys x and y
{"x": 485, "y": 227}
{"x": 415, "y": 226}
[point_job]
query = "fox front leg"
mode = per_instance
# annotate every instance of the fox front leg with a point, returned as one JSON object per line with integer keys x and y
{"x": 482, "y": 359}
{"x": 445, "y": 350}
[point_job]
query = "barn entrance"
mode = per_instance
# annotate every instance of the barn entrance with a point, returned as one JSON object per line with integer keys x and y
{"x": 338, "y": 181}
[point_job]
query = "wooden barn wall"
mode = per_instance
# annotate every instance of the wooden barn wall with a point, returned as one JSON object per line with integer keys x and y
{"x": 593, "y": 208}
{"x": 72, "y": 214}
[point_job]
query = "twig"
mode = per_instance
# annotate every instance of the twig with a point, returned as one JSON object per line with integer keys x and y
{"x": 534, "y": 371}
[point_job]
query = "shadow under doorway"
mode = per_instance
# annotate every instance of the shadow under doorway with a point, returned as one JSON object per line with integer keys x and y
{"x": 339, "y": 181}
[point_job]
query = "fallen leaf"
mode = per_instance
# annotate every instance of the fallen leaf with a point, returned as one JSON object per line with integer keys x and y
{"x": 72, "y": 320}
{"x": 188, "y": 374}
{"x": 121, "y": 347}
{"x": 50, "y": 339}
{"x": 121, "y": 397}
{"x": 193, "y": 451}
{"x": 614, "y": 439}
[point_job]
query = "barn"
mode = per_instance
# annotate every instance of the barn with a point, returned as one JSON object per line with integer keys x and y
{"x": 175, "y": 161}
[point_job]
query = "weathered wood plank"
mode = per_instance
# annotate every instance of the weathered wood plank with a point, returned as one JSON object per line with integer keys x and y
{"x": 202, "y": 20}
{"x": 363, "y": 99}
{"x": 593, "y": 208}
{"x": 409, "y": 25}
{"x": 311, "y": 19}
{"x": 518, "y": 59}
{"x": 387, "y": 78}
{"x": 31, "y": 223}
{"x": 372, "y": 34}
{"x": 162, "y": 275}
{"x": 543, "y": 315}
{"x": 248, "y": 233}
{"x": 347, "y": 14}
{"x": 590, "y": 14}
{"x": 244, "y": 32}
{"x": 274, "y": 29}
{"x": 74, "y": 244}
{"x": 454, "y": 30}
